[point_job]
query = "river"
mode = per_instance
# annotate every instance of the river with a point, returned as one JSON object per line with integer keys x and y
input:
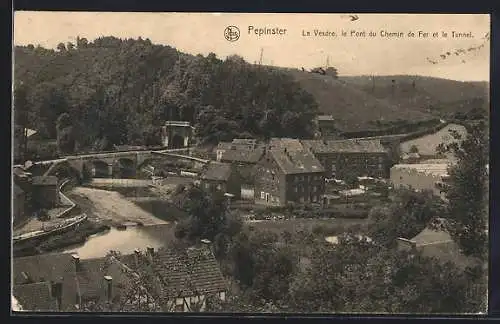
{"x": 123, "y": 241}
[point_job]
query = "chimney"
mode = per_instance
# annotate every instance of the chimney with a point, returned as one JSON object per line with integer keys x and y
{"x": 56, "y": 292}
{"x": 76, "y": 261}
{"x": 109, "y": 281}
{"x": 150, "y": 253}
{"x": 137, "y": 253}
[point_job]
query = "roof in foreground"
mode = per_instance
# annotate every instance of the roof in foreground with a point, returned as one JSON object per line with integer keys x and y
{"x": 296, "y": 161}
{"x": 183, "y": 272}
{"x": 436, "y": 169}
{"x": 35, "y": 296}
{"x": 345, "y": 146}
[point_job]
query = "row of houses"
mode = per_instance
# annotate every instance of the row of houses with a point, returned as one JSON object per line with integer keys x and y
{"x": 31, "y": 193}
{"x": 287, "y": 170}
{"x": 167, "y": 280}
{"x": 290, "y": 170}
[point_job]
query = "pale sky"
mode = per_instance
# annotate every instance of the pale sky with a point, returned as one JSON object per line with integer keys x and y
{"x": 203, "y": 33}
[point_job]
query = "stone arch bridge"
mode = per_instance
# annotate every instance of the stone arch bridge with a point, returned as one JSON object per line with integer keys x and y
{"x": 112, "y": 164}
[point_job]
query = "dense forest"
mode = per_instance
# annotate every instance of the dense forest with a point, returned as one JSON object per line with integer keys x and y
{"x": 92, "y": 95}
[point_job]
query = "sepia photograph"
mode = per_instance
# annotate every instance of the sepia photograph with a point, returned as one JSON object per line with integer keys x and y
{"x": 250, "y": 163}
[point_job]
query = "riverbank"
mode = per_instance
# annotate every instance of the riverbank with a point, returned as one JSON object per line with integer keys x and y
{"x": 77, "y": 235}
{"x": 109, "y": 206}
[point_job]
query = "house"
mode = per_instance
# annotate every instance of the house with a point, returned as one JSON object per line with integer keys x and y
{"x": 63, "y": 282}
{"x": 221, "y": 177}
{"x": 343, "y": 158}
{"x": 243, "y": 153}
{"x": 288, "y": 175}
{"x": 184, "y": 279}
{"x": 435, "y": 241}
{"x": 46, "y": 191}
{"x": 19, "y": 201}
{"x": 326, "y": 126}
{"x": 237, "y": 144}
{"x": 420, "y": 176}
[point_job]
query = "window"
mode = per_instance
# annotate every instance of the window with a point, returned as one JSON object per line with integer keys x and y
{"x": 219, "y": 186}
{"x": 207, "y": 185}
{"x": 314, "y": 189}
{"x": 262, "y": 195}
{"x": 222, "y": 295}
{"x": 295, "y": 189}
{"x": 314, "y": 199}
{"x": 380, "y": 166}
{"x": 380, "y": 159}
{"x": 301, "y": 199}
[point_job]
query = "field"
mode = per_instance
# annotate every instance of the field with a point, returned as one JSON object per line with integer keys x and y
{"x": 427, "y": 144}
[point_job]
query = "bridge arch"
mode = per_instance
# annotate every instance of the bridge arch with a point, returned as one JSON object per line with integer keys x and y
{"x": 126, "y": 168}
{"x": 177, "y": 141}
{"x": 100, "y": 169}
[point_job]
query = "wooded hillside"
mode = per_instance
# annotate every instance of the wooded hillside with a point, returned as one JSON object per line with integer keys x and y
{"x": 120, "y": 91}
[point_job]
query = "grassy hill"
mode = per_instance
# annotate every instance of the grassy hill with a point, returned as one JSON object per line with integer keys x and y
{"x": 359, "y": 103}
{"x": 426, "y": 94}
{"x": 353, "y": 107}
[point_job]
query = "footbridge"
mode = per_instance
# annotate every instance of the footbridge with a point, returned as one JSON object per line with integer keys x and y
{"x": 123, "y": 164}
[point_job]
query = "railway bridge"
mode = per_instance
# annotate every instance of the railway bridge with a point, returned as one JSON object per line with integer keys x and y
{"x": 123, "y": 164}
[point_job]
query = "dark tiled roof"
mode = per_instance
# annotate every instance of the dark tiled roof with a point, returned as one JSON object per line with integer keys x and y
{"x": 345, "y": 146}
{"x": 44, "y": 181}
{"x": 91, "y": 283}
{"x": 296, "y": 161}
{"x": 243, "y": 155}
{"x": 189, "y": 272}
{"x": 239, "y": 144}
{"x": 216, "y": 171}
{"x": 35, "y": 297}
{"x": 44, "y": 267}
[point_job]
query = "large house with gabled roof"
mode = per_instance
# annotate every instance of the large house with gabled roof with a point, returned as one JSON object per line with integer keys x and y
{"x": 183, "y": 280}
{"x": 288, "y": 173}
{"x": 359, "y": 157}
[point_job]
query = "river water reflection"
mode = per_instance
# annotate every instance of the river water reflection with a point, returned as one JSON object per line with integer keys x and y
{"x": 123, "y": 241}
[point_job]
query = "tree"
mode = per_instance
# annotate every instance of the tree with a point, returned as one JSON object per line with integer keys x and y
{"x": 61, "y": 47}
{"x": 467, "y": 191}
{"x": 331, "y": 71}
{"x": 208, "y": 216}
{"x": 406, "y": 216}
{"x": 65, "y": 134}
{"x": 413, "y": 149}
{"x": 21, "y": 109}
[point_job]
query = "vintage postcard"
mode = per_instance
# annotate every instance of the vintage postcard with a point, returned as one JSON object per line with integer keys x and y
{"x": 250, "y": 163}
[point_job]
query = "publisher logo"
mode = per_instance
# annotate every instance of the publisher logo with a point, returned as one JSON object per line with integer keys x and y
{"x": 232, "y": 33}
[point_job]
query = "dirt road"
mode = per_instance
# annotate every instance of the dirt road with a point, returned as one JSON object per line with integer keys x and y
{"x": 109, "y": 205}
